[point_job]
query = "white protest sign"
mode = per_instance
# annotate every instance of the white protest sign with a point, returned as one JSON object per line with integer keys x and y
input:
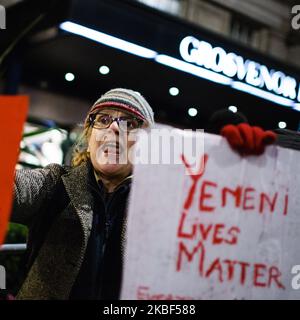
{"x": 230, "y": 232}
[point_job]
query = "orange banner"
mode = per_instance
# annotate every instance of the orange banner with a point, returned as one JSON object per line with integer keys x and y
{"x": 13, "y": 112}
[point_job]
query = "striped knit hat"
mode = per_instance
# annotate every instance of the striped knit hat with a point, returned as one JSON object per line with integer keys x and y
{"x": 128, "y": 100}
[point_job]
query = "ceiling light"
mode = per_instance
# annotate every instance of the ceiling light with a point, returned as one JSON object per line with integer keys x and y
{"x": 69, "y": 76}
{"x": 192, "y": 112}
{"x": 174, "y": 91}
{"x": 104, "y": 70}
{"x": 232, "y": 109}
{"x": 281, "y": 124}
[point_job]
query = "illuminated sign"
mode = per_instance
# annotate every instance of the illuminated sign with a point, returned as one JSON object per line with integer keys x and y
{"x": 232, "y": 65}
{"x": 203, "y": 60}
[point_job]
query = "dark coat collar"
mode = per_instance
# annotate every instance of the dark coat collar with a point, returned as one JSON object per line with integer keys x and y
{"x": 78, "y": 183}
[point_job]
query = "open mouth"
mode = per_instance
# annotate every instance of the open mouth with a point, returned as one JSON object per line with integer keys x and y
{"x": 112, "y": 148}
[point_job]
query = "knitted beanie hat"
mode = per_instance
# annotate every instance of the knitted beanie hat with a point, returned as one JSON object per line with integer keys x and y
{"x": 128, "y": 100}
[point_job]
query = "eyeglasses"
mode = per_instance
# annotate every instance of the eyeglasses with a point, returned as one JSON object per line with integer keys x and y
{"x": 103, "y": 121}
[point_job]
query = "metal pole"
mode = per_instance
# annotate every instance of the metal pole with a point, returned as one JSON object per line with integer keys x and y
{"x": 18, "y": 247}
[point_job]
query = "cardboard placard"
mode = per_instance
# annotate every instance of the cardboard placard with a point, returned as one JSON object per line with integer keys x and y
{"x": 230, "y": 231}
{"x": 13, "y": 112}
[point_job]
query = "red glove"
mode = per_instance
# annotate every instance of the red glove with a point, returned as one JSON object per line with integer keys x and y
{"x": 247, "y": 139}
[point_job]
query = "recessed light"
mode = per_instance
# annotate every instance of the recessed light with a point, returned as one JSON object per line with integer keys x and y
{"x": 232, "y": 109}
{"x": 104, "y": 70}
{"x": 281, "y": 124}
{"x": 192, "y": 112}
{"x": 174, "y": 91}
{"x": 69, "y": 76}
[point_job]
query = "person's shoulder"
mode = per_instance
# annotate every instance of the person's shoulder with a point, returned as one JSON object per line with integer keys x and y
{"x": 53, "y": 172}
{"x": 66, "y": 170}
{"x": 58, "y": 168}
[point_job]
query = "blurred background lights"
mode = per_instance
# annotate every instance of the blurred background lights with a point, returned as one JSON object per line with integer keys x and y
{"x": 104, "y": 70}
{"x": 69, "y": 76}
{"x": 192, "y": 112}
{"x": 174, "y": 91}
{"x": 282, "y": 125}
{"x": 232, "y": 108}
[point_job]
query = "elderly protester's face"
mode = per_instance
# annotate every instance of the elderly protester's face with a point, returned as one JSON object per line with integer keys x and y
{"x": 109, "y": 143}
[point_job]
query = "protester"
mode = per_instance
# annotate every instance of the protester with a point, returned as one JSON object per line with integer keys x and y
{"x": 77, "y": 215}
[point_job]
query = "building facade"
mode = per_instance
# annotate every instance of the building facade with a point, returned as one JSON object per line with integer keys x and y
{"x": 263, "y": 25}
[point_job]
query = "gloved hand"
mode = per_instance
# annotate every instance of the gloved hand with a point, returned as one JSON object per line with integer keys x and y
{"x": 247, "y": 139}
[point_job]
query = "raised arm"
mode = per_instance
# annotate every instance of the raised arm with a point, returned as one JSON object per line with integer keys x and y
{"x": 31, "y": 188}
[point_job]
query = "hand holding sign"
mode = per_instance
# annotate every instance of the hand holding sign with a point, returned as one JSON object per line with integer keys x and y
{"x": 247, "y": 139}
{"x": 229, "y": 231}
{"x": 13, "y": 111}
